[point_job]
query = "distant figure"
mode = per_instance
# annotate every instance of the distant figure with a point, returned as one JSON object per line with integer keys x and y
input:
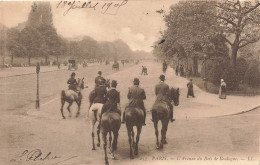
{"x": 59, "y": 66}
{"x": 176, "y": 70}
{"x": 222, "y": 90}
{"x": 190, "y": 89}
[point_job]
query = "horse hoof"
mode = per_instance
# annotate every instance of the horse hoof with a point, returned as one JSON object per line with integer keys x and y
{"x": 164, "y": 142}
{"x": 131, "y": 157}
{"x": 63, "y": 117}
{"x": 98, "y": 144}
{"x": 106, "y": 163}
{"x": 161, "y": 145}
{"x": 136, "y": 152}
{"x": 93, "y": 149}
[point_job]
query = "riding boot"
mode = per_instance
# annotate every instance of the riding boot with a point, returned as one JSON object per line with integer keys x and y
{"x": 123, "y": 121}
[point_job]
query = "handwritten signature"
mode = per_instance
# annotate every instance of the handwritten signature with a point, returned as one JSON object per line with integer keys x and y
{"x": 38, "y": 155}
{"x": 105, "y": 7}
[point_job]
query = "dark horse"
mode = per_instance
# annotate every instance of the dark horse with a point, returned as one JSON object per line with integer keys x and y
{"x": 160, "y": 112}
{"x": 70, "y": 96}
{"x": 134, "y": 117}
{"x": 110, "y": 123}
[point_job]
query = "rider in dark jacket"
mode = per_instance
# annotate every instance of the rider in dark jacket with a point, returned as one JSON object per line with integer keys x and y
{"x": 113, "y": 100}
{"x": 100, "y": 92}
{"x": 99, "y": 78}
{"x": 72, "y": 82}
{"x": 136, "y": 95}
{"x": 162, "y": 92}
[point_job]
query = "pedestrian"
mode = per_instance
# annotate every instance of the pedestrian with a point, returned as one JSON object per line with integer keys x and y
{"x": 222, "y": 90}
{"x": 190, "y": 89}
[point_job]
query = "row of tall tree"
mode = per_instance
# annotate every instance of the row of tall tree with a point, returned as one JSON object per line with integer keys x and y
{"x": 39, "y": 39}
{"x": 202, "y": 30}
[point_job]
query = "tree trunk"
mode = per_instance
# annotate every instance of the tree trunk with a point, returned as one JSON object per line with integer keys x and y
{"x": 195, "y": 66}
{"x": 234, "y": 56}
{"x": 46, "y": 60}
{"x": 29, "y": 60}
{"x": 12, "y": 60}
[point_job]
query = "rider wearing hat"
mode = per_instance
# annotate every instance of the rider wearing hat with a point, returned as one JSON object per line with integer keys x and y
{"x": 100, "y": 92}
{"x": 136, "y": 95}
{"x": 99, "y": 79}
{"x": 162, "y": 92}
{"x": 113, "y": 100}
{"x": 72, "y": 82}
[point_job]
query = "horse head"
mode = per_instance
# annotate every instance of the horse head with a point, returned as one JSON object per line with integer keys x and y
{"x": 174, "y": 95}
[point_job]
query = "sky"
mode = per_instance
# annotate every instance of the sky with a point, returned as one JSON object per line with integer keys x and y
{"x": 136, "y": 22}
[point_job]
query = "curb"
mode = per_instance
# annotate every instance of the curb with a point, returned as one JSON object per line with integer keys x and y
{"x": 239, "y": 113}
{"x": 26, "y": 74}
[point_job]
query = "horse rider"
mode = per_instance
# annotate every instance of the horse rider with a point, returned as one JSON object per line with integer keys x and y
{"x": 72, "y": 82}
{"x": 162, "y": 92}
{"x": 100, "y": 91}
{"x": 136, "y": 95}
{"x": 113, "y": 100}
{"x": 99, "y": 78}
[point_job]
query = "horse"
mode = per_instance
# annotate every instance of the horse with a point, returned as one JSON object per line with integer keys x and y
{"x": 70, "y": 96}
{"x": 160, "y": 112}
{"x": 134, "y": 117}
{"x": 95, "y": 114}
{"x": 110, "y": 123}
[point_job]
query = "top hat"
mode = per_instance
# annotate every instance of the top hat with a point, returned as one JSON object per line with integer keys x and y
{"x": 162, "y": 77}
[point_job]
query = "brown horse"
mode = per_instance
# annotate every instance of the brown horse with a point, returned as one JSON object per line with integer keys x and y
{"x": 70, "y": 96}
{"x": 160, "y": 112}
{"x": 134, "y": 117}
{"x": 110, "y": 123}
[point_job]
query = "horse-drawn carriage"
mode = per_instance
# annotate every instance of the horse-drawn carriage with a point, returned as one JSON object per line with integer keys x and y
{"x": 72, "y": 65}
{"x": 115, "y": 66}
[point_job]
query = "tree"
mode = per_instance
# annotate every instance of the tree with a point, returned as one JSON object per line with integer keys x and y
{"x": 239, "y": 21}
{"x": 31, "y": 40}
{"x": 192, "y": 30}
{"x": 13, "y": 45}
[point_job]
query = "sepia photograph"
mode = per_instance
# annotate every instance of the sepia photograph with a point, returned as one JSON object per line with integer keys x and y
{"x": 130, "y": 82}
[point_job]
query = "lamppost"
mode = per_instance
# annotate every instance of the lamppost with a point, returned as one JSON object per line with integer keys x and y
{"x": 37, "y": 93}
{"x": 205, "y": 73}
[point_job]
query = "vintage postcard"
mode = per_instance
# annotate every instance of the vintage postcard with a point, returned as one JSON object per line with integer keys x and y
{"x": 130, "y": 82}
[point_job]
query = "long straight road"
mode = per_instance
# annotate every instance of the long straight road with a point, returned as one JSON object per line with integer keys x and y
{"x": 232, "y": 138}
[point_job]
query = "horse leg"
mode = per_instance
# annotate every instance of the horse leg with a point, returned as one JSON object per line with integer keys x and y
{"x": 110, "y": 140}
{"x": 129, "y": 131}
{"x": 133, "y": 138}
{"x": 165, "y": 131}
{"x": 139, "y": 129}
{"x": 104, "y": 136}
{"x": 93, "y": 135}
{"x": 98, "y": 134}
{"x": 68, "y": 108}
{"x": 78, "y": 113}
{"x": 114, "y": 145}
{"x": 156, "y": 133}
{"x": 61, "y": 109}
